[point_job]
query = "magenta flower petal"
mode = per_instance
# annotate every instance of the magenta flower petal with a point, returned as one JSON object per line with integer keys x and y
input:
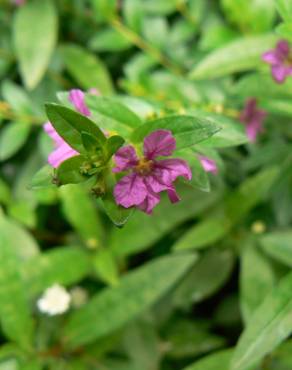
{"x": 77, "y": 98}
{"x": 173, "y": 168}
{"x": 130, "y": 191}
{"x": 159, "y": 143}
{"x": 49, "y": 129}
{"x": 60, "y": 154}
{"x": 252, "y": 118}
{"x": 282, "y": 48}
{"x": 208, "y": 164}
{"x": 19, "y": 2}
{"x": 172, "y": 195}
{"x": 149, "y": 203}
{"x": 125, "y": 158}
{"x": 270, "y": 57}
{"x": 155, "y": 181}
{"x": 279, "y": 72}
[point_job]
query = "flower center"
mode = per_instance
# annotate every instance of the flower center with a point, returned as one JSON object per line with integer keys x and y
{"x": 144, "y": 166}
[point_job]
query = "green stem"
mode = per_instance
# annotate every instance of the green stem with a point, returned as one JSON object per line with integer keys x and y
{"x": 138, "y": 41}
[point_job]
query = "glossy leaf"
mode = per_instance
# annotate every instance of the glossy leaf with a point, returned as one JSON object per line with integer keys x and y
{"x": 113, "y": 307}
{"x": 237, "y": 56}
{"x": 268, "y": 327}
{"x": 187, "y": 130}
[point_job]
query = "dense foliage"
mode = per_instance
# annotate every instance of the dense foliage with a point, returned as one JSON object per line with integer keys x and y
{"x": 87, "y": 280}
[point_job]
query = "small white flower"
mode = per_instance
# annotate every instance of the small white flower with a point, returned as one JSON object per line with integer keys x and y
{"x": 54, "y": 301}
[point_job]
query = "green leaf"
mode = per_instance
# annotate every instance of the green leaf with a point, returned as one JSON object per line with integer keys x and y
{"x": 80, "y": 211}
{"x": 165, "y": 218}
{"x": 87, "y": 69}
{"x": 231, "y": 132}
{"x": 33, "y": 46}
{"x": 113, "y": 307}
{"x": 11, "y": 233}
{"x": 16, "y": 321}
{"x": 200, "y": 178}
{"x": 63, "y": 265}
{"x": 13, "y": 137}
{"x": 257, "y": 279}
{"x": 237, "y": 56}
{"x": 106, "y": 267}
{"x": 270, "y": 325}
{"x": 90, "y": 143}
{"x": 201, "y": 282}
{"x": 142, "y": 344}
{"x": 251, "y": 16}
{"x": 284, "y": 7}
{"x": 110, "y": 108}
{"x": 118, "y": 214}
{"x": 190, "y": 338}
{"x": 113, "y": 144}
{"x": 69, "y": 171}
{"x": 105, "y": 9}
{"x": 70, "y": 125}
{"x": 109, "y": 39}
{"x": 187, "y": 130}
{"x": 203, "y": 234}
{"x": 234, "y": 207}
{"x": 278, "y": 245}
{"x": 285, "y": 30}
{"x": 155, "y": 30}
{"x": 17, "y": 97}
{"x": 5, "y": 194}
{"x": 43, "y": 178}
{"x": 211, "y": 361}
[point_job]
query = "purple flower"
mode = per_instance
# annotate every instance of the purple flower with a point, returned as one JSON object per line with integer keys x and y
{"x": 253, "y": 118}
{"x": 149, "y": 176}
{"x": 208, "y": 164}
{"x": 280, "y": 59}
{"x": 18, "y": 2}
{"x": 63, "y": 150}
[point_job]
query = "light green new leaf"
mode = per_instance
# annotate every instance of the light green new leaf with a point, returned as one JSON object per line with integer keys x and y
{"x": 278, "y": 245}
{"x": 110, "y": 309}
{"x": 270, "y": 325}
{"x": 35, "y": 34}
{"x": 80, "y": 211}
{"x": 237, "y": 56}
{"x": 15, "y": 318}
{"x": 12, "y": 138}
{"x": 187, "y": 130}
{"x": 257, "y": 278}
{"x": 64, "y": 265}
{"x": 87, "y": 69}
